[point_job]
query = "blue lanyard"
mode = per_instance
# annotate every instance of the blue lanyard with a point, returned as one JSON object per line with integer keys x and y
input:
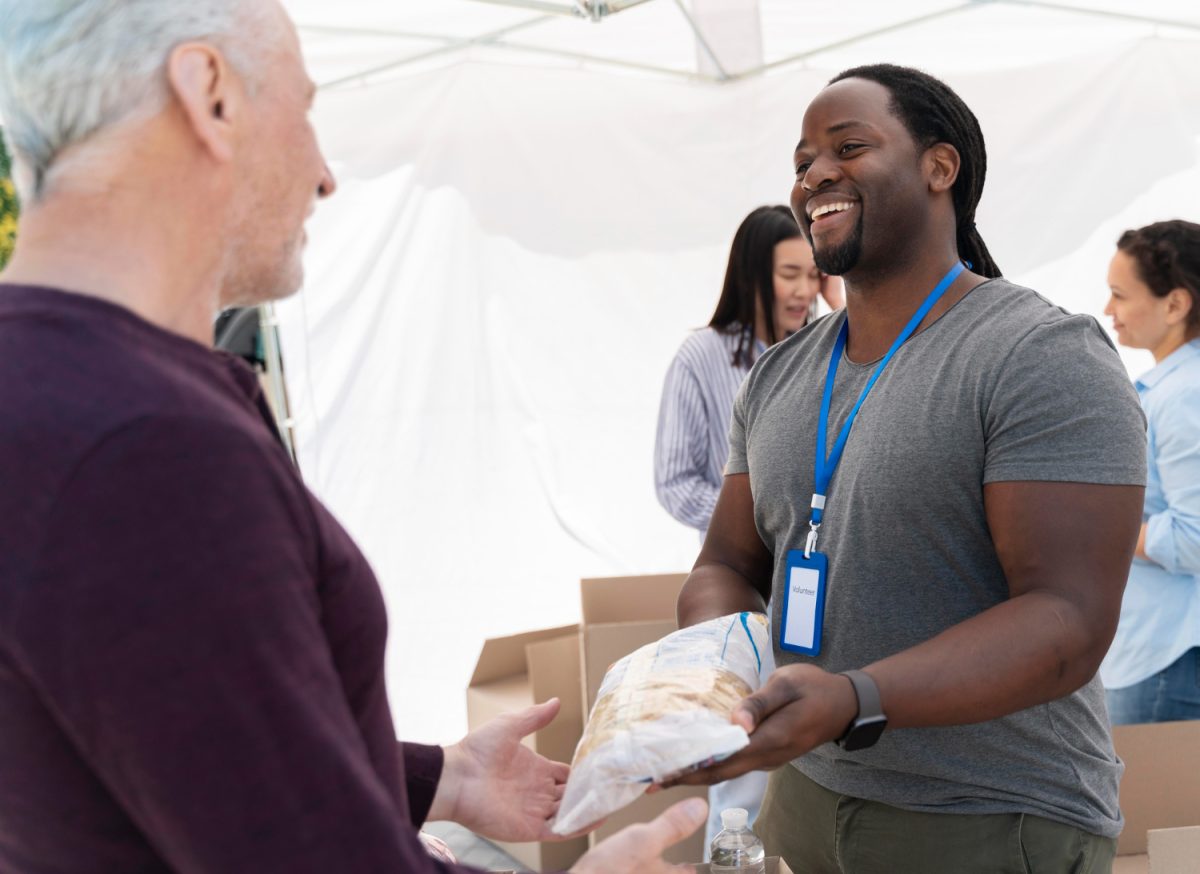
{"x": 826, "y": 465}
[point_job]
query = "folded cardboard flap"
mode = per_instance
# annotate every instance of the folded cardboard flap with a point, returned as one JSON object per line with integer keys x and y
{"x": 506, "y": 656}
{"x": 523, "y": 669}
{"x": 1175, "y": 850}
{"x": 629, "y": 599}
{"x": 1172, "y": 851}
{"x": 1161, "y": 785}
{"x": 554, "y": 671}
{"x": 603, "y": 645}
{"x": 619, "y": 615}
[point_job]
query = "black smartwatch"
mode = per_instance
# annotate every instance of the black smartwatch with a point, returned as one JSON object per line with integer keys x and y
{"x": 864, "y": 730}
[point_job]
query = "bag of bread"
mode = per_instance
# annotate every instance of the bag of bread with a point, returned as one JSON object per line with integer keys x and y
{"x": 662, "y": 710}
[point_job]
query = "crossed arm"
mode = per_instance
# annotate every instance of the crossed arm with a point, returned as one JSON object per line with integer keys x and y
{"x": 1065, "y": 549}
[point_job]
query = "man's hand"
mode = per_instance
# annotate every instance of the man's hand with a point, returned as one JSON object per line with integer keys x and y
{"x": 638, "y": 849}
{"x": 496, "y": 786}
{"x": 797, "y": 709}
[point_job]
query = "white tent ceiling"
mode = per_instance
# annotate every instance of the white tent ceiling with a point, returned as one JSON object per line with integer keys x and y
{"x": 720, "y": 40}
{"x": 535, "y": 208}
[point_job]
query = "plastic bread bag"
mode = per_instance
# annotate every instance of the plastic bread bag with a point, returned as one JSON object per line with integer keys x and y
{"x": 663, "y": 710}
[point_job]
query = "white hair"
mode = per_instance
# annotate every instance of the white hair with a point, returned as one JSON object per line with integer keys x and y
{"x": 71, "y": 68}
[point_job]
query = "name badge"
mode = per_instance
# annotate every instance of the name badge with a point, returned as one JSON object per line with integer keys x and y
{"x": 803, "y": 602}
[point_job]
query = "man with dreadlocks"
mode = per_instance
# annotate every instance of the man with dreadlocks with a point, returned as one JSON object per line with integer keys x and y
{"x": 938, "y": 491}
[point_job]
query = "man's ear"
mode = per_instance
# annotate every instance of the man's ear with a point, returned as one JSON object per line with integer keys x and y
{"x": 942, "y": 163}
{"x": 203, "y": 84}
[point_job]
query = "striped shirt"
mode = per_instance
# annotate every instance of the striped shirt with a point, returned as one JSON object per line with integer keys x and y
{"x": 692, "y": 442}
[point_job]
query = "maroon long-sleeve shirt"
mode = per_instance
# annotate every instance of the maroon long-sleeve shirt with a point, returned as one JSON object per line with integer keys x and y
{"x": 191, "y": 647}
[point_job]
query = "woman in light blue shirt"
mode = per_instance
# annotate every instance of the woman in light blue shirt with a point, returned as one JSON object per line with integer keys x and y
{"x": 1152, "y": 671}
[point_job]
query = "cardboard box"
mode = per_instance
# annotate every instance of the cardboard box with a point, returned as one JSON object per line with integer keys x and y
{"x": 620, "y": 614}
{"x": 1160, "y": 797}
{"x": 1172, "y": 851}
{"x": 515, "y": 672}
{"x": 775, "y": 865}
{"x": 1175, "y": 850}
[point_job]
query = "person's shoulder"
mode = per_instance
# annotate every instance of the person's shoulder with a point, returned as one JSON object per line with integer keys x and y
{"x": 82, "y": 382}
{"x": 1173, "y": 400}
{"x": 1026, "y": 341}
{"x": 1006, "y": 316}
{"x": 709, "y": 338}
{"x": 188, "y": 451}
{"x": 807, "y": 348}
{"x": 1183, "y": 381}
{"x": 818, "y": 334}
{"x": 82, "y": 367}
{"x": 707, "y": 344}
{"x": 1007, "y": 302}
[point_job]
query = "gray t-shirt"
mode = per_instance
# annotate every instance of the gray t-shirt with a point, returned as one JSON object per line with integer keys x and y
{"x": 1005, "y": 386}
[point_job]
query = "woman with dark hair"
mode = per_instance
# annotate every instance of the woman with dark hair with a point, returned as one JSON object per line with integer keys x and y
{"x": 770, "y": 291}
{"x": 1152, "y": 671}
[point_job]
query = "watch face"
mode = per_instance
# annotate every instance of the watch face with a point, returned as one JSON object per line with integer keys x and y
{"x": 864, "y": 733}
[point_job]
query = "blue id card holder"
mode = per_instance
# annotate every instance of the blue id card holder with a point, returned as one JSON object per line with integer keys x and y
{"x": 803, "y": 602}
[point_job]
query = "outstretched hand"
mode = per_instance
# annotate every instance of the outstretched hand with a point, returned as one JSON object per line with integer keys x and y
{"x": 638, "y": 849}
{"x": 498, "y": 787}
{"x": 797, "y": 709}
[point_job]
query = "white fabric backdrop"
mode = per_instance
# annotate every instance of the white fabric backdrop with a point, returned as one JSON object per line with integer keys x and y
{"x": 515, "y": 254}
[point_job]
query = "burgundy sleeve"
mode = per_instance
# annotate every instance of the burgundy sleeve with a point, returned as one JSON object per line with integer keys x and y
{"x": 422, "y": 770}
{"x": 174, "y": 630}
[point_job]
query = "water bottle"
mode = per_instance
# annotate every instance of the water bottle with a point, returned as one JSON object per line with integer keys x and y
{"x": 736, "y": 849}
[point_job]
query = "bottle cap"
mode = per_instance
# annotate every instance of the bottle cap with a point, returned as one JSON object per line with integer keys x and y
{"x": 734, "y": 818}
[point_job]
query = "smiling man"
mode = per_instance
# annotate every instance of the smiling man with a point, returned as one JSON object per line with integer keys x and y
{"x": 939, "y": 493}
{"x": 191, "y": 647}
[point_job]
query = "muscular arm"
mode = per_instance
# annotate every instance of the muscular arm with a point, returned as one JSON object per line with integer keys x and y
{"x": 733, "y": 572}
{"x": 1065, "y": 549}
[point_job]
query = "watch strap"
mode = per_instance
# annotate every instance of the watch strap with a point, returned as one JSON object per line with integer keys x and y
{"x": 869, "y": 704}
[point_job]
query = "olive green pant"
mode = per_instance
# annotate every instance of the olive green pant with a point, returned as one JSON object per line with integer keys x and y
{"x": 820, "y": 832}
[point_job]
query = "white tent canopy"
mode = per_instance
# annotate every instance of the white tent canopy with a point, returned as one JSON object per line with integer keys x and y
{"x": 718, "y": 40}
{"x": 535, "y": 209}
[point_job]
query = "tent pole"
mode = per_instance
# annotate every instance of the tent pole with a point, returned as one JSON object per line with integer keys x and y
{"x": 722, "y": 73}
{"x": 597, "y": 59}
{"x": 858, "y": 37}
{"x": 276, "y": 387}
{"x": 536, "y": 6}
{"x": 581, "y": 57}
{"x": 482, "y": 39}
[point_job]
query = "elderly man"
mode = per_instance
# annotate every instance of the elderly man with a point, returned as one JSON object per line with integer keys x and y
{"x": 191, "y": 648}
